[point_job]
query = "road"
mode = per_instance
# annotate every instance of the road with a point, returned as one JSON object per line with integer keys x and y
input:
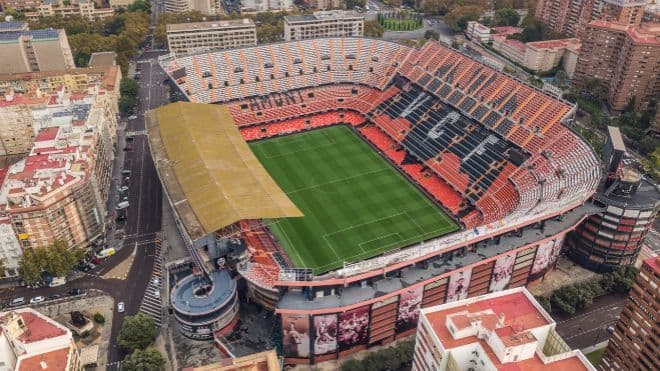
{"x": 590, "y": 327}
{"x": 143, "y": 219}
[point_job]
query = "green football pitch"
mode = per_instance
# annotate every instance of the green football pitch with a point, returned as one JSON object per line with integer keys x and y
{"x": 356, "y": 205}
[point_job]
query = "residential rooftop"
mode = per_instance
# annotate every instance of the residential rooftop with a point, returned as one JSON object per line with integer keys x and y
{"x": 103, "y": 59}
{"x": 511, "y": 318}
{"x": 647, "y": 33}
{"x": 13, "y": 26}
{"x": 44, "y": 34}
{"x": 322, "y": 15}
{"x": 232, "y": 23}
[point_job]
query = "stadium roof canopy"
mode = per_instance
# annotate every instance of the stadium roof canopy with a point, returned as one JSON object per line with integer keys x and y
{"x": 210, "y": 174}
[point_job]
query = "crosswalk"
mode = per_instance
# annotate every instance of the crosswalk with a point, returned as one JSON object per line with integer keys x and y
{"x": 152, "y": 301}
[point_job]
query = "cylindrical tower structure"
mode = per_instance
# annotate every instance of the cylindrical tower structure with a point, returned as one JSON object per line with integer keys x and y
{"x": 615, "y": 236}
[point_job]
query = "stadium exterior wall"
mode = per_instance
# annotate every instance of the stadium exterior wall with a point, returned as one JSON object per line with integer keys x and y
{"x": 312, "y": 336}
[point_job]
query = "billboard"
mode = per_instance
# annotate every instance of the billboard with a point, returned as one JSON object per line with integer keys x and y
{"x": 543, "y": 255}
{"x": 502, "y": 272}
{"x": 459, "y": 282}
{"x": 325, "y": 334}
{"x": 295, "y": 335}
{"x": 409, "y": 304}
{"x": 556, "y": 250}
{"x": 353, "y": 327}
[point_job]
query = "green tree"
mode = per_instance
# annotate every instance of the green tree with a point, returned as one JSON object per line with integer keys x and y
{"x": 139, "y": 6}
{"x": 129, "y": 90}
{"x": 57, "y": 259}
{"x": 506, "y": 17}
{"x": 373, "y": 29}
{"x": 144, "y": 360}
{"x": 562, "y": 79}
{"x": 459, "y": 16}
{"x": 620, "y": 280}
{"x": 432, "y": 34}
{"x": 137, "y": 332}
{"x": 2, "y": 268}
{"x": 99, "y": 318}
{"x": 18, "y": 16}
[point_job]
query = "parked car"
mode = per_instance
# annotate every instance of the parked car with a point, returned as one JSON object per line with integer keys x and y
{"x": 17, "y": 301}
{"x": 156, "y": 281}
{"x": 37, "y": 300}
{"x": 120, "y": 307}
{"x": 75, "y": 291}
{"x": 54, "y": 297}
{"x": 157, "y": 294}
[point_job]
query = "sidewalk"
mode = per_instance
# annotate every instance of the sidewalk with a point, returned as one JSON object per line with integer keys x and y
{"x": 595, "y": 347}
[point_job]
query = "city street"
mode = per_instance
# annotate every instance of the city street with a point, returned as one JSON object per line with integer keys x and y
{"x": 590, "y": 327}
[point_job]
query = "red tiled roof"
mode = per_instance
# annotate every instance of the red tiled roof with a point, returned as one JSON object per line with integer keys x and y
{"x": 38, "y": 329}
{"x": 55, "y": 360}
{"x": 553, "y": 44}
{"x": 21, "y": 99}
{"x": 507, "y": 30}
{"x": 47, "y": 134}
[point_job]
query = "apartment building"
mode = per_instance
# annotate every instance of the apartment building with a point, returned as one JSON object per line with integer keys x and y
{"x": 540, "y": 56}
{"x": 84, "y": 8}
{"x": 478, "y": 32}
{"x": 325, "y": 4}
{"x": 190, "y": 38}
{"x": 37, "y": 50}
{"x": 626, "y": 59}
{"x": 58, "y": 191}
{"x": 120, "y": 4}
{"x": 501, "y": 330}
{"x": 30, "y": 85}
{"x": 19, "y": 5}
{"x": 206, "y": 7}
{"x": 10, "y": 248}
{"x": 634, "y": 343}
{"x": 16, "y": 124}
{"x": 335, "y": 23}
{"x": 571, "y": 17}
{"x": 256, "y": 6}
{"x": 31, "y": 341}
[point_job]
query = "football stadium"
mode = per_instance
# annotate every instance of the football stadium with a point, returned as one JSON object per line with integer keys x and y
{"x": 350, "y": 182}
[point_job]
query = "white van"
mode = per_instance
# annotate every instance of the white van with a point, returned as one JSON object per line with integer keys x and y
{"x": 106, "y": 252}
{"x": 122, "y": 205}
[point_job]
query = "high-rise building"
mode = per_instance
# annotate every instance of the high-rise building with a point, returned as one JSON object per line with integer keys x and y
{"x": 334, "y": 23}
{"x": 570, "y": 17}
{"x": 31, "y": 341}
{"x": 634, "y": 343}
{"x": 58, "y": 191}
{"x": 37, "y": 50}
{"x": 325, "y": 4}
{"x": 505, "y": 330}
{"x": 190, "y": 38}
{"x": 206, "y": 7}
{"x": 265, "y": 5}
{"x": 625, "y": 59}
{"x": 84, "y": 8}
